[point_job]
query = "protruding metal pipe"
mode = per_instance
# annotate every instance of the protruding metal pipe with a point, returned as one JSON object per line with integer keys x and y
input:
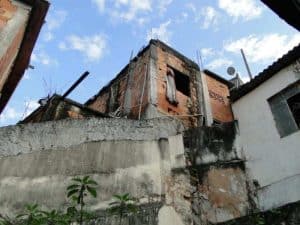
{"x": 81, "y": 78}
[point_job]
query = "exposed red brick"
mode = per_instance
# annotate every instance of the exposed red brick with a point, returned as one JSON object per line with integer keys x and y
{"x": 218, "y": 93}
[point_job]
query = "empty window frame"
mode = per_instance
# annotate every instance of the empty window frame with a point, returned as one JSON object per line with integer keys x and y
{"x": 182, "y": 82}
{"x": 294, "y": 105}
{"x": 285, "y": 109}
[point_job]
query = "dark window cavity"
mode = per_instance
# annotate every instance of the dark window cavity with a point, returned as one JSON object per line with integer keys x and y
{"x": 285, "y": 109}
{"x": 294, "y": 105}
{"x": 182, "y": 83}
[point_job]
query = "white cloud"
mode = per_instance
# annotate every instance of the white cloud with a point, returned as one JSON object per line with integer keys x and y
{"x": 48, "y": 36}
{"x": 207, "y": 52}
{"x": 41, "y": 57}
{"x": 130, "y": 10}
{"x": 182, "y": 18}
{"x": 92, "y": 47}
{"x": 162, "y": 33}
{"x": 137, "y": 11}
{"x": 263, "y": 48}
{"x": 10, "y": 114}
{"x": 191, "y": 7}
{"x": 218, "y": 63}
{"x": 30, "y": 106}
{"x": 210, "y": 17}
{"x": 100, "y": 5}
{"x": 54, "y": 21}
{"x": 163, "y": 4}
{"x": 241, "y": 9}
{"x": 207, "y": 16}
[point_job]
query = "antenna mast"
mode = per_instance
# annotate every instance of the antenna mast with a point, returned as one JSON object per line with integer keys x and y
{"x": 246, "y": 63}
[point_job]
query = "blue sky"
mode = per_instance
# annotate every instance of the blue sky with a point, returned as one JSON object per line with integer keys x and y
{"x": 99, "y": 35}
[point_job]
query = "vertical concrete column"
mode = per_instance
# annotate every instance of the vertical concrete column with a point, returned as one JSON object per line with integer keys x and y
{"x": 151, "y": 111}
{"x": 127, "y": 100}
{"x": 207, "y": 109}
{"x": 165, "y": 163}
{"x": 200, "y": 97}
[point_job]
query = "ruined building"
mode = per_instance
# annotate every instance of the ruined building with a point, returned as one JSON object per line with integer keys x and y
{"x": 167, "y": 133}
{"x": 160, "y": 81}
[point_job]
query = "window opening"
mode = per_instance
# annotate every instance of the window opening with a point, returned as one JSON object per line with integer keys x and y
{"x": 294, "y": 105}
{"x": 182, "y": 83}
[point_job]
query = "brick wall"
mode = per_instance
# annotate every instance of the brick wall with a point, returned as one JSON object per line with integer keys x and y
{"x": 187, "y": 105}
{"x": 218, "y": 93}
{"x": 113, "y": 96}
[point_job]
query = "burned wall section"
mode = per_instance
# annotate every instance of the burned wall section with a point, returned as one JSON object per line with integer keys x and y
{"x": 127, "y": 94}
{"x": 217, "y": 174}
{"x": 188, "y": 108}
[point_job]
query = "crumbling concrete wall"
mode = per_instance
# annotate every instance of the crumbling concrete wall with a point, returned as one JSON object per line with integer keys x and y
{"x": 217, "y": 173}
{"x": 146, "y": 158}
{"x": 38, "y": 160}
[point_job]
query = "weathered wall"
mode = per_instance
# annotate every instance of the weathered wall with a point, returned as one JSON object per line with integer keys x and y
{"x": 38, "y": 160}
{"x": 220, "y": 105}
{"x": 146, "y": 158}
{"x": 272, "y": 161}
{"x": 217, "y": 174}
{"x": 13, "y": 18}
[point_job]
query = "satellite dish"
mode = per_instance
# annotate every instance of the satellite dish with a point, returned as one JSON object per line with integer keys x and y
{"x": 231, "y": 70}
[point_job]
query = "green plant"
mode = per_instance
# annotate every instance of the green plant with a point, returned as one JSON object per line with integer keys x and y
{"x": 32, "y": 215}
{"x": 5, "y": 220}
{"x": 54, "y": 217}
{"x": 78, "y": 191}
{"x": 123, "y": 204}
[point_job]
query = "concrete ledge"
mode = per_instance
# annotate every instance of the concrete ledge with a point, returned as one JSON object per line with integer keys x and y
{"x": 62, "y": 134}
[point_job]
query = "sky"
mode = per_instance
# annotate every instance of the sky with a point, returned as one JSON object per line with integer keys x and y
{"x": 99, "y": 35}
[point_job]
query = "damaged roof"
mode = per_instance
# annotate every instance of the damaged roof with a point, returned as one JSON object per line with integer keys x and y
{"x": 45, "y": 107}
{"x": 266, "y": 74}
{"x": 36, "y": 19}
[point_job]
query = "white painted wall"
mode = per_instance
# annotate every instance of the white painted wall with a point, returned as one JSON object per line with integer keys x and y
{"x": 273, "y": 161}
